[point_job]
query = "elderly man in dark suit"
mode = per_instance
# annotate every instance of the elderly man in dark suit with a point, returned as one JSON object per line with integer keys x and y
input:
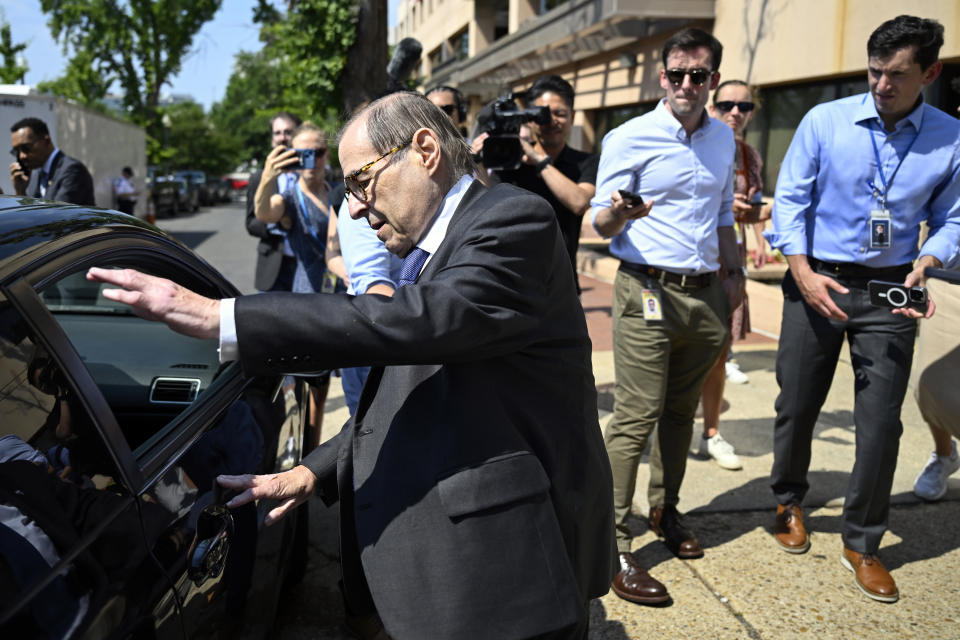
{"x": 42, "y": 170}
{"x": 474, "y": 489}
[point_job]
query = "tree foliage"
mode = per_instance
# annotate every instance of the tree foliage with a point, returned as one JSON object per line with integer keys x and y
{"x": 10, "y": 71}
{"x": 140, "y": 44}
{"x": 192, "y": 142}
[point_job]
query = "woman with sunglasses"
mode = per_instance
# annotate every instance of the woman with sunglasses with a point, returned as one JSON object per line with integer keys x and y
{"x": 734, "y": 104}
{"x": 307, "y": 212}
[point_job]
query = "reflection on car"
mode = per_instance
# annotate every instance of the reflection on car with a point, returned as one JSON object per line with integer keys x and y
{"x": 112, "y": 432}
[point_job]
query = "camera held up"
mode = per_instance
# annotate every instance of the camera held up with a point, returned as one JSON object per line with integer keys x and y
{"x": 501, "y": 119}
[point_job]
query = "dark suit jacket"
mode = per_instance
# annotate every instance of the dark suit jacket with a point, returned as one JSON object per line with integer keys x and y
{"x": 68, "y": 181}
{"x": 270, "y": 248}
{"x": 475, "y": 491}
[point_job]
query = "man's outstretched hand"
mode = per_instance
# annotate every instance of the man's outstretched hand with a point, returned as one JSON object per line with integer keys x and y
{"x": 292, "y": 488}
{"x": 161, "y": 300}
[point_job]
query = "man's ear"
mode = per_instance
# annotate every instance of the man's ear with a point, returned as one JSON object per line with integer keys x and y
{"x": 932, "y": 72}
{"x": 426, "y": 146}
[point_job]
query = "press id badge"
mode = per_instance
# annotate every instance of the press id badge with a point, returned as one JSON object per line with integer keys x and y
{"x": 652, "y": 309}
{"x": 880, "y": 229}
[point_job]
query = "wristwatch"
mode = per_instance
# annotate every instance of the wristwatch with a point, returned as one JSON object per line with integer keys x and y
{"x": 540, "y": 166}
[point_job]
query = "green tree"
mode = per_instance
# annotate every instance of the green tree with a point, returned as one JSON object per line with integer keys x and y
{"x": 140, "y": 44}
{"x": 253, "y": 94}
{"x": 193, "y": 142}
{"x": 10, "y": 71}
{"x": 312, "y": 40}
{"x": 85, "y": 81}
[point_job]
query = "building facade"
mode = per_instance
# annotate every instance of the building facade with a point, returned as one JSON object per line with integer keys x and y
{"x": 797, "y": 53}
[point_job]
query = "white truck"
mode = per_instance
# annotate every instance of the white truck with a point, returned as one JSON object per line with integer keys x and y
{"x": 104, "y": 144}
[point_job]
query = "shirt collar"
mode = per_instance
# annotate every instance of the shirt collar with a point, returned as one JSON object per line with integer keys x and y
{"x": 867, "y": 110}
{"x": 49, "y": 162}
{"x": 438, "y": 230}
{"x": 669, "y": 122}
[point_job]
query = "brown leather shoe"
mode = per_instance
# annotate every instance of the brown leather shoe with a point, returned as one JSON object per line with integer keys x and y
{"x": 633, "y": 583}
{"x": 788, "y": 529}
{"x": 665, "y": 522}
{"x": 871, "y": 576}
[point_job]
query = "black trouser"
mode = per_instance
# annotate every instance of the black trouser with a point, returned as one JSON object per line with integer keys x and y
{"x": 881, "y": 349}
{"x": 125, "y": 205}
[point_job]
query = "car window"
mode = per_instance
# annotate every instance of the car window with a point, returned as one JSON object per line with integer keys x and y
{"x": 70, "y": 535}
{"x": 147, "y": 373}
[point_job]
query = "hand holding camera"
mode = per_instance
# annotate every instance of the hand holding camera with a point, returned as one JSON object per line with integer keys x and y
{"x": 279, "y": 160}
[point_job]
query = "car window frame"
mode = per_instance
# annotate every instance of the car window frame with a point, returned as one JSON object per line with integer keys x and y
{"x": 22, "y": 288}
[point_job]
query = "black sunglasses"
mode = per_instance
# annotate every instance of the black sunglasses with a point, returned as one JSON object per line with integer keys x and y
{"x": 698, "y": 77}
{"x": 448, "y": 108}
{"x": 23, "y": 148}
{"x": 728, "y": 105}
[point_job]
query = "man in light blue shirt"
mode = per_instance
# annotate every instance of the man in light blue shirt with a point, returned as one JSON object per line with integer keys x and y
{"x": 859, "y": 178}
{"x": 670, "y": 309}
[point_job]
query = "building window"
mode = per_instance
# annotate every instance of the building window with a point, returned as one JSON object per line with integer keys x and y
{"x": 782, "y": 109}
{"x": 606, "y": 120}
{"x": 461, "y": 45}
{"x": 547, "y": 5}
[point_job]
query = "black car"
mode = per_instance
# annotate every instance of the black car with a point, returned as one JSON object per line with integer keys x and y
{"x": 198, "y": 181}
{"x": 113, "y": 431}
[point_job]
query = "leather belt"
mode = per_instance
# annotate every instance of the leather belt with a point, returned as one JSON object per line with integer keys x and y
{"x": 692, "y": 281}
{"x": 854, "y": 270}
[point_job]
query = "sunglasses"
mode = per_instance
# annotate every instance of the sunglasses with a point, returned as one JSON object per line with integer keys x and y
{"x": 352, "y": 183}
{"x": 24, "y": 148}
{"x": 698, "y": 77}
{"x": 447, "y": 108}
{"x": 728, "y": 105}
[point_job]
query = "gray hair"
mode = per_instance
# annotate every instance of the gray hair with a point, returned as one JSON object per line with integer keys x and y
{"x": 393, "y": 119}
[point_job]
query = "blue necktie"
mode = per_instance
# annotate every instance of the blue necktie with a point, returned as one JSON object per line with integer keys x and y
{"x": 412, "y": 265}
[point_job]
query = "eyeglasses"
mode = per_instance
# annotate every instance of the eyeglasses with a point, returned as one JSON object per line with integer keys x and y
{"x": 24, "y": 148}
{"x": 728, "y": 105}
{"x": 698, "y": 77}
{"x": 352, "y": 184}
{"x": 447, "y": 108}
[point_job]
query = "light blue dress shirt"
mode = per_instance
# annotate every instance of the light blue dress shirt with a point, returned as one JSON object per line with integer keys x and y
{"x": 366, "y": 258}
{"x": 824, "y": 196}
{"x": 689, "y": 178}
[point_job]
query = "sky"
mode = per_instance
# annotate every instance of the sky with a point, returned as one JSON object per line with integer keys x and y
{"x": 205, "y": 70}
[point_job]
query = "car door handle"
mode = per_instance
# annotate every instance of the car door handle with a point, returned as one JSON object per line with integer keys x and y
{"x": 211, "y": 544}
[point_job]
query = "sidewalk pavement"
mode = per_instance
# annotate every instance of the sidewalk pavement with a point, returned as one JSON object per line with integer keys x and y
{"x": 744, "y": 586}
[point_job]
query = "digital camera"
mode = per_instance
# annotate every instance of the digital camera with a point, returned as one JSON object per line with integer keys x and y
{"x": 896, "y": 296}
{"x": 307, "y": 157}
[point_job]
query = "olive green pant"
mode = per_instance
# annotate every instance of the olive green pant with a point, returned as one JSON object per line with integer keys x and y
{"x": 660, "y": 368}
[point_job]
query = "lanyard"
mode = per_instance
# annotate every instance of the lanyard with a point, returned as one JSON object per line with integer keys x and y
{"x": 302, "y": 212}
{"x": 882, "y": 194}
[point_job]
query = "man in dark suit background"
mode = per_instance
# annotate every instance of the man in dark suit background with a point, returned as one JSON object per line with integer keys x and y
{"x": 475, "y": 492}
{"x": 42, "y": 170}
{"x": 275, "y": 262}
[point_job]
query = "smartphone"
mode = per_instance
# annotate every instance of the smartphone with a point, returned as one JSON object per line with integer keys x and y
{"x": 896, "y": 296}
{"x": 630, "y": 198}
{"x": 307, "y": 159}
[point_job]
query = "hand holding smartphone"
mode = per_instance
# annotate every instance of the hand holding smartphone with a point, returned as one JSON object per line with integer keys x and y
{"x": 630, "y": 198}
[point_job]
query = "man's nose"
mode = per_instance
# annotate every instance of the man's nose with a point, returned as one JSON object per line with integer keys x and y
{"x": 356, "y": 207}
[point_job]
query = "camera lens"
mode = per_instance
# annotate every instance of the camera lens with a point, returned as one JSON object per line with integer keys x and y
{"x": 916, "y": 295}
{"x": 897, "y": 296}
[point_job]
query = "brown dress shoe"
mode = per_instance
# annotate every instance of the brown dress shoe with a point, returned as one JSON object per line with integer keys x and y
{"x": 633, "y": 583}
{"x": 871, "y": 576}
{"x": 665, "y": 522}
{"x": 788, "y": 529}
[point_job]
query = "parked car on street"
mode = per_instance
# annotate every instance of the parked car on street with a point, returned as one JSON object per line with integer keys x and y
{"x": 188, "y": 195}
{"x": 198, "y": 180}
{"x": 113, "y": 432}
{"x": 164, "y": 196}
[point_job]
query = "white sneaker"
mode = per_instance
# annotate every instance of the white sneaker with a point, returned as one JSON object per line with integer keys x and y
{"x": 734, "y": 375}
{"x": 931, "y": 484}
{"x": 721, "y": 451}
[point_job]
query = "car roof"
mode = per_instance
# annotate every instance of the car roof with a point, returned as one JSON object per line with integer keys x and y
{"x": 27, "y": 222}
